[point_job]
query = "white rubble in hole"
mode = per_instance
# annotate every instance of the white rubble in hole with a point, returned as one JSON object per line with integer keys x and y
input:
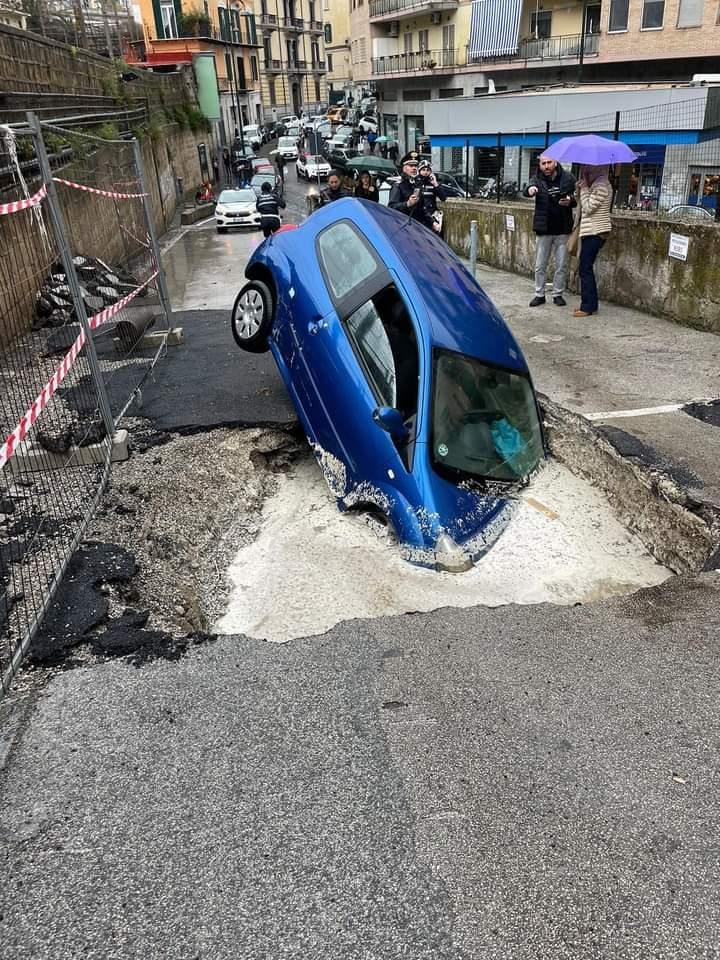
{"x": 312, "y": 566}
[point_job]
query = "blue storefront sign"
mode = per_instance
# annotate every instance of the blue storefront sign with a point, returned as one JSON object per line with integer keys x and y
{"x": 649, "y": 152}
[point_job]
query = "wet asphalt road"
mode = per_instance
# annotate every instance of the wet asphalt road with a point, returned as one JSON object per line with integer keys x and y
{"x": 519, "y": 783}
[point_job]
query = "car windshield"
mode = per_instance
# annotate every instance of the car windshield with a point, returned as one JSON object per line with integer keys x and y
{"x": 485, "y": 422}
{"x": 314, "y": 160}
{"x": 237, "y": 196}
{"x": 286, "y": 142}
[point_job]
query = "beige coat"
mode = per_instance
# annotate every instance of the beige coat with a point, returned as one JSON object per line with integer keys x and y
{"x": 595, "y": 202}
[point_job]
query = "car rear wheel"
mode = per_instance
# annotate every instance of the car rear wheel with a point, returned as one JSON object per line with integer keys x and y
{"x": 252, "y": 316}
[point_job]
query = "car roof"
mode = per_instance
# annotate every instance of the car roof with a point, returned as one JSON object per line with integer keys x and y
{"x": 462, "y": 316}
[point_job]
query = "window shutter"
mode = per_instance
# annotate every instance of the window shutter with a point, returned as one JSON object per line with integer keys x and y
{"x": 690, "y": 13}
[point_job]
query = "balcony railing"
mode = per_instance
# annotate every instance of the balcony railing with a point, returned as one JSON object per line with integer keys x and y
{"x": 268, "y": 20}
{"x": 293, "y": 23}
{"x": 273, "y": 66}
{"x": 551, "y": 48}
{"x": 404, "y": 8}
{"x": 319, "y": 66}
{"x": 528, "y": 53}
{"x": 423, "y": 61}
{"x": 316, "y": 26}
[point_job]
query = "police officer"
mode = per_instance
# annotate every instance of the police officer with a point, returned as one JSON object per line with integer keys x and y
{"x": 430, "y": 192}
{"x": 405, "y": 195}
{"x": 268, "y": 206}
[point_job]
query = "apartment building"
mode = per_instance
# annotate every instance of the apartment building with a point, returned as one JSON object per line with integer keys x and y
{"x": 414, "y": 51}
{"x": 336, "y": 20}
{"x": 294, "y": 70}
{"x": 222, "y": 43}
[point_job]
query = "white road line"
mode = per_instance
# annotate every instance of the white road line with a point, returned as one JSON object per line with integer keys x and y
{"x": 641, "y": 412}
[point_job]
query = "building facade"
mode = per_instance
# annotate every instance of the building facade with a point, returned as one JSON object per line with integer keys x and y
{"x": 293, "y": 66}
{"x": 222, "y": 42}
{"x": 414, "y": 52}
{"x": 336, "y": 20}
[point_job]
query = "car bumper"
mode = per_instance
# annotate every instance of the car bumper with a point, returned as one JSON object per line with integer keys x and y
{"x": 227, "y": 220}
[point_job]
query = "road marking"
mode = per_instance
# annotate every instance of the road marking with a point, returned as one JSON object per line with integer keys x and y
{"x": 640, "y": 412}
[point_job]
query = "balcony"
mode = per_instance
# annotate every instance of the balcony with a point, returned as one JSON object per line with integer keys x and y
{"x": 530, "y": 53}
{"x": 297, "y": 66}
{"x": 380, "y": 10}
{"x": 316, "y": 26}
{"x": 549, "y": 49}
{"x": 268, "y": 21}
{"x": 425, "y": 61}
{"x": 293, "y": 24}
{"x": 319, "y": 66}
{"x": 273, "y": 66}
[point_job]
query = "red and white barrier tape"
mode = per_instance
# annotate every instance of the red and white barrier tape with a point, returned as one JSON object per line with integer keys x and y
{"x": 102, "y": 193}
{"x": 16, "y": 205}
{"x": 45, "y": 395}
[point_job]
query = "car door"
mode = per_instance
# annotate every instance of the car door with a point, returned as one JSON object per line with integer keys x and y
{"x": 348, "y": 356}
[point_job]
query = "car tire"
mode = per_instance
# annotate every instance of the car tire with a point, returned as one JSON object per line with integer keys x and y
{"x": 252, "y": 317}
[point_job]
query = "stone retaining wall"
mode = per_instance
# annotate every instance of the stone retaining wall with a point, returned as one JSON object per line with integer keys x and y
{"x": 633, "y": 269}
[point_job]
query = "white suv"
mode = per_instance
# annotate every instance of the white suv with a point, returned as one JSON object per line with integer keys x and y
{"x": 312, "y": 167}
{"x": 287, "y": 148}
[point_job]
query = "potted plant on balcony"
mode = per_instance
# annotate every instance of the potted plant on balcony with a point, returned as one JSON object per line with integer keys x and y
{"x": 194, "y": 23}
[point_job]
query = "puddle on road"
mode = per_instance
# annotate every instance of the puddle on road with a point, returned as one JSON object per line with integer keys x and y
{"x": 312, "y": 567}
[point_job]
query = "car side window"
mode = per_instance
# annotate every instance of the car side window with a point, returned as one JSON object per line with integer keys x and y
{"x": 345, "y": 258}
{"x": 384, "y": 340}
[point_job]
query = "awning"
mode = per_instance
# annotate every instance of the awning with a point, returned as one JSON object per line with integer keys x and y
{"x": 494, "y": 28}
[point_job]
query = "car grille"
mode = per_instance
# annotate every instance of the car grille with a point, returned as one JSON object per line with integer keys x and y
{"x": 243, "y": 214}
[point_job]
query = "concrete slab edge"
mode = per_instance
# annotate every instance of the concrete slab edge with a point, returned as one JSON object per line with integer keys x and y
{"x": 679, "y": 531}
{"x": 31, "y": 456}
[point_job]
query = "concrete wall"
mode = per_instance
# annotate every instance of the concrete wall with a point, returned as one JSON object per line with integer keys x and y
{"x": 92, "y": 221}
{"x": 633, "y": 268}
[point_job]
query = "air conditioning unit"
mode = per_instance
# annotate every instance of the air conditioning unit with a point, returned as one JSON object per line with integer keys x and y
{"x": 436, "y": 18}
{"x": 394, "y": 28}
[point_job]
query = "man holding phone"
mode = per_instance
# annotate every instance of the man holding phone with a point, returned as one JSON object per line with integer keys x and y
{"x": 405, "y": 195}
{"x": 554, "y": 192}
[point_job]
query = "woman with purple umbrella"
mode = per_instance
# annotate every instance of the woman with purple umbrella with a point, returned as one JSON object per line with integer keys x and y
{"x": 595, "y": 194}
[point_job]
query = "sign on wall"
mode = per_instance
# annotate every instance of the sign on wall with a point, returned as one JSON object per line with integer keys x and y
{"x": 678, "y": 246}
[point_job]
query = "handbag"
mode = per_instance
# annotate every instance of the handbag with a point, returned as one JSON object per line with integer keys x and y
{"x": 573, "y": 244}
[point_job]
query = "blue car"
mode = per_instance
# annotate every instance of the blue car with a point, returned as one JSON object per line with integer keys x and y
{"x": 413, "y": 393}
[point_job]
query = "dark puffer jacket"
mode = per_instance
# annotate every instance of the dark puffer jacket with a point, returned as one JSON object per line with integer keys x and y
{"x": 550, "y": 218}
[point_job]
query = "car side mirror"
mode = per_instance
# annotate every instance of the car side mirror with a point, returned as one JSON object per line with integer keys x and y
{"x": 390, "y": 420}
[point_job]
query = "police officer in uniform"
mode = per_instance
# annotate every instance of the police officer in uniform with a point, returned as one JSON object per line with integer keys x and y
{"x": 430, "y": 192}
{"x": 405, "y": 195}
{"x": 268, "y": 206}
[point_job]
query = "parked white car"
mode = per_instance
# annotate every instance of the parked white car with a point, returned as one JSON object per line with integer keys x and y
{"x": 252, "y": 135}
{"x": 312, "y": 167}
{"x": 287, "y": 148}
{"x": 366, "y": 124}
{"x": 236, "y": 208}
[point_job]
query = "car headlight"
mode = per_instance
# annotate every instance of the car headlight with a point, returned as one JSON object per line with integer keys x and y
{"x": 219, "y": 209}
{"x": 449, "y": 556}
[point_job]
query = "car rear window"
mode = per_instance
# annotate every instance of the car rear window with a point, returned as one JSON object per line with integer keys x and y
{"x": 346, "y": 259}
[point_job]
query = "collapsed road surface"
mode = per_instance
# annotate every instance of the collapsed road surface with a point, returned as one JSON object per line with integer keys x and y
{"x": 522, "y": 781}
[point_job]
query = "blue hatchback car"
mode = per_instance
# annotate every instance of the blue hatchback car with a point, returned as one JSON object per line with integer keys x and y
{"x": 412, "y": 391}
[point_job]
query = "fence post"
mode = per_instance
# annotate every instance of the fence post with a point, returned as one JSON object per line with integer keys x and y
{"x": 58, "y": 221}
{"x": 616, "y": 136}
{"x": 162, "y": 286}
{"x": 547, "y": 134}
{"x": 467, "y": 167}
{"x": 498, "y": 178}
{"x": 473, "y": 245}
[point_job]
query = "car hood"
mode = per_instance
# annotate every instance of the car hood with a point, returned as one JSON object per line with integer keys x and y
{"x": 237, "y": 207}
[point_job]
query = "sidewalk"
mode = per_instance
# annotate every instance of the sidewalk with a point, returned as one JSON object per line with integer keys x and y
{"x": 628, "y": 372}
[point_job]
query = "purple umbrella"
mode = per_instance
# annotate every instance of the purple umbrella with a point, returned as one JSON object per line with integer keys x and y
{"x": 590, "y": 149}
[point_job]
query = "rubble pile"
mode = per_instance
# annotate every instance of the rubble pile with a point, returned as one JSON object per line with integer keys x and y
{"x": 100, "y": 286}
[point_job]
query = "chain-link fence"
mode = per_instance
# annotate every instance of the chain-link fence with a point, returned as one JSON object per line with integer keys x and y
{"x": 84, "y": 317}
{"x": 676, "y": 174}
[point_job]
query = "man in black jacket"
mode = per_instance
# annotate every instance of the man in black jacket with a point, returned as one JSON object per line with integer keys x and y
{"x": 268, "y": 206}
{"x": 554, "y": 192}
{"x": 416, "y": 195}
{"x": 334, "y": 189}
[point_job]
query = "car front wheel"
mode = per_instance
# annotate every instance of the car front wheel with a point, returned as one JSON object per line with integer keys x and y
{"x": 252, "y": 316}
